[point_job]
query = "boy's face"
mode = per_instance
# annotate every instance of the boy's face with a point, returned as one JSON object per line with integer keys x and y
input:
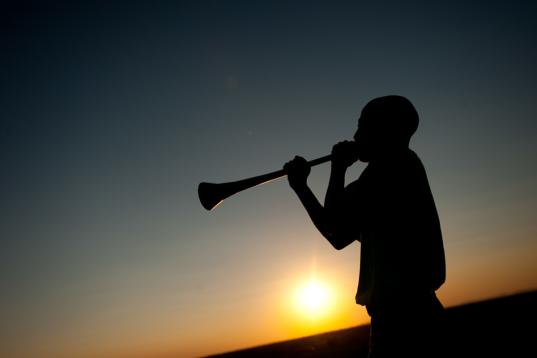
{"x": 374, "y": 139}
{"x": 366, "y": 138}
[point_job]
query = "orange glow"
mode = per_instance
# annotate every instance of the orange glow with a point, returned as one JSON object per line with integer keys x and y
{"x": 314, "y": 307}
{"x": 313, "y": 299}
{"x": 318, "y": 301}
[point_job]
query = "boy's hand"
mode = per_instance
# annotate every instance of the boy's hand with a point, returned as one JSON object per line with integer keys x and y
{"x": 297, "y": 170}
{"x": 344, "y": 154}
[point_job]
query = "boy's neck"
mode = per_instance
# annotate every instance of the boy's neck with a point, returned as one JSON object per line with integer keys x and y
{"x": 387, "y": 155}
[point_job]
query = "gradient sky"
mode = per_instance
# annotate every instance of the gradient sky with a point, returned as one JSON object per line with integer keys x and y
{"x": 112, "y": 114}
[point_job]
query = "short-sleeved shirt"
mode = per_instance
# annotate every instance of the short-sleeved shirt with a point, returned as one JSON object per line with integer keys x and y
{"x": 393, "y": 214}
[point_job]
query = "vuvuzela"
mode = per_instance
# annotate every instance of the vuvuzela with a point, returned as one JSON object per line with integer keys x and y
{"x": 211, "y": 194}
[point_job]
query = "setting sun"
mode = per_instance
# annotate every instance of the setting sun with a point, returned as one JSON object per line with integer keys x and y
{"x": 313, "y": 299}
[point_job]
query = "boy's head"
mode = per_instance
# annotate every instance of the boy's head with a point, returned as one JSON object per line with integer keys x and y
{"x": 385, "y": 126}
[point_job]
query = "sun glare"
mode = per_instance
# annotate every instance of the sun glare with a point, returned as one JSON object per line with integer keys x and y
{"x": 313, "y": 299}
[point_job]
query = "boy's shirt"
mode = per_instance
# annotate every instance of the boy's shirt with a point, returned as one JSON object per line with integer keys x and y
{"x": 391, "y": 211}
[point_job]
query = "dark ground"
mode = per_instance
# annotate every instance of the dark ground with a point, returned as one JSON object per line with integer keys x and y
{"x": 501, "y": 327}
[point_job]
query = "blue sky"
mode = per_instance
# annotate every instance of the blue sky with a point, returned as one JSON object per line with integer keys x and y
{"x": 112, "y": 114}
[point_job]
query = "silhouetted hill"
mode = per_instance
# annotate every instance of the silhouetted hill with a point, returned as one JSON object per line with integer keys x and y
{"x": 501, "y": 327}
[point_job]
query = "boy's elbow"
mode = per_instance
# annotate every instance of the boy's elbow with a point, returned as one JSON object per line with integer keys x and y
{"x": 338, "y": 246}
{"x": 338, "y": 242}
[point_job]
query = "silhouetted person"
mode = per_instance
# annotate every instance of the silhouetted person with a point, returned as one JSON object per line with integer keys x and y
{"x": 390, "y": 210}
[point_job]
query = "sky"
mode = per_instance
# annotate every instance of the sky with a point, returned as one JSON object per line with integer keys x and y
{"x": 111, "y": 113}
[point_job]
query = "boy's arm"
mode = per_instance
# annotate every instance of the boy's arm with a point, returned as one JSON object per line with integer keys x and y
{"x": 337, "y": 209}
{"x": 316, "y": 211}
{"x": 337, "y": 200}
{"x": 329, "y": 220}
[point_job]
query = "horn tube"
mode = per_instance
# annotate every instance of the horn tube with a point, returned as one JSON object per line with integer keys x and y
{"x": 211, "y": 194}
